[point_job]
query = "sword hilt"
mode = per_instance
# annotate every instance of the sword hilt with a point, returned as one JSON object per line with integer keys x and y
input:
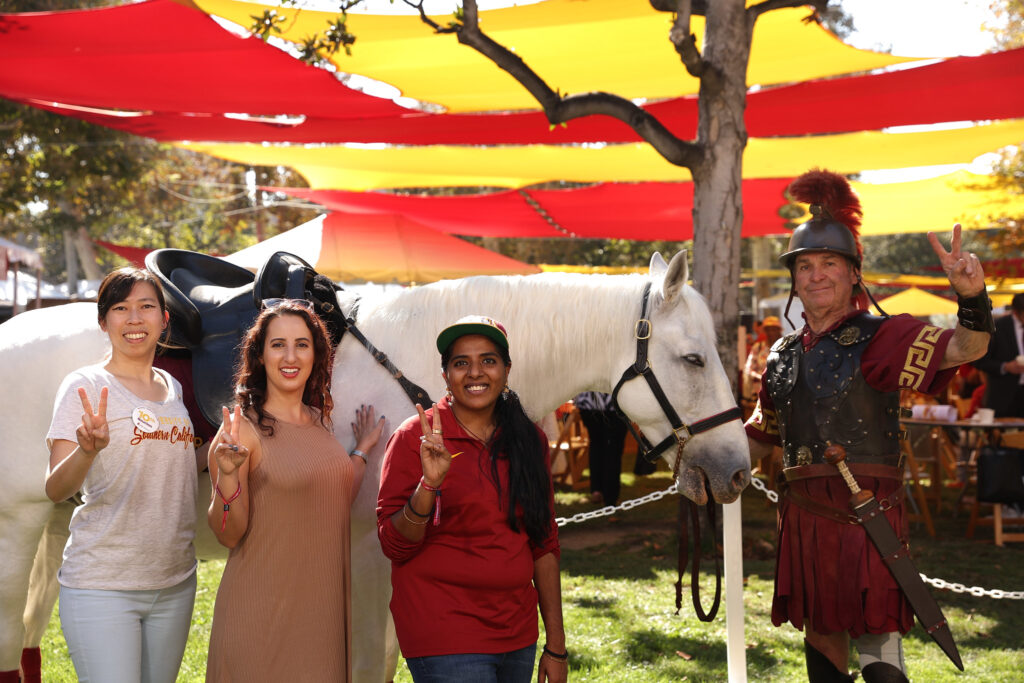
{"x": 836, "y": 455}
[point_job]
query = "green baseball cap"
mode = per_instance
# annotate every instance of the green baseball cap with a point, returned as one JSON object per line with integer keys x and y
{"x": 473, "y": 324}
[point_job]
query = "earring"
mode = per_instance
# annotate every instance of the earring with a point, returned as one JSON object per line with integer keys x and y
{"x": 448, "y": 395}
{"x": 506, "y": 391}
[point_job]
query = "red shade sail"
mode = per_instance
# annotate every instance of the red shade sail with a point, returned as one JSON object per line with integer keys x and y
{"x": 636, "y": 211}
{"x": 163, "y": 58}
{"x": 169, "y": 72}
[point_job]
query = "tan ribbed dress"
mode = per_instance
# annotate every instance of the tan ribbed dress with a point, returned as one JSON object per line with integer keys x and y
{"x": 283, "y": 610}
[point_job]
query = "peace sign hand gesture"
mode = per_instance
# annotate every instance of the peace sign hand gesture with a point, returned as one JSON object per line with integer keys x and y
{"x": 230, "y": 453}
{"x": 93, "y": 434}
{"x": 434, "y": 456}
{"x": 963, "y": 269}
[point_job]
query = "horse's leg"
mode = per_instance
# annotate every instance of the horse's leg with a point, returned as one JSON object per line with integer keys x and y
{"x": 21, "y": 527}
{"x": 374, "y": 646}
{"x": 43, "y": 588}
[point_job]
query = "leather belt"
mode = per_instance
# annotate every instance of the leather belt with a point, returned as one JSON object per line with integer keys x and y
{"x": 861, "y": 469}
{"x": 841, "y": 515}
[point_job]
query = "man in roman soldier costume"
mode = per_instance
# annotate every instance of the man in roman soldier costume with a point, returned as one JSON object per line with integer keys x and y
{"x": 836, "y": 383}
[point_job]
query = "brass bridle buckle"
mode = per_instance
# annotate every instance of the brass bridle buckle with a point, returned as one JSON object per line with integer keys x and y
{"x": 647, "y": 326}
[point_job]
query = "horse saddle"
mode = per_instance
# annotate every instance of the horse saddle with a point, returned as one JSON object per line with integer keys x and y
{"x": 213, "y": 303}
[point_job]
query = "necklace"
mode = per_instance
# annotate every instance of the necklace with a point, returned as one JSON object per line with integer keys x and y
{"x": 471, "y": 432}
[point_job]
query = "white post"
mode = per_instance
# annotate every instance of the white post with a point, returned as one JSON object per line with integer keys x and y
{"x": 732, "y": 541}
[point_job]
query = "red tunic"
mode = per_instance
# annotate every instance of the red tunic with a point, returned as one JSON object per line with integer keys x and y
{"x": 826, "y": 572}
{"x": 467, "y": 587}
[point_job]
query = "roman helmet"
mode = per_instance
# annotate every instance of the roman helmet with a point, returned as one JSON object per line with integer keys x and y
{"x": 834, "y": 224}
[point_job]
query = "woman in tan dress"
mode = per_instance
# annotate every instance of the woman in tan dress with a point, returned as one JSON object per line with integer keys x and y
{"x": 283, "y": 490}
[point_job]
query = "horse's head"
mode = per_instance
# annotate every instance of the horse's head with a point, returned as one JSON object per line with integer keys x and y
{"x": 684, "y": 362}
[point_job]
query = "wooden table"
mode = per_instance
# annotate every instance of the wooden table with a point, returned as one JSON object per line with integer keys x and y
{"x": 942, "y": 456}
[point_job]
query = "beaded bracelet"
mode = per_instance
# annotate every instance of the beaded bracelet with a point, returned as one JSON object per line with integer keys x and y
{"x": 356, "y": 453}
{"x": 436, "y": 490}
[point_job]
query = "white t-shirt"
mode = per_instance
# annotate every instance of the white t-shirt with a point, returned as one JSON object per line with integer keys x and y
{"x": 135, "y": 528}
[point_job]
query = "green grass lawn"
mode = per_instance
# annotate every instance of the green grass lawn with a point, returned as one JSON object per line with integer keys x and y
{"x": 617, "y": 591}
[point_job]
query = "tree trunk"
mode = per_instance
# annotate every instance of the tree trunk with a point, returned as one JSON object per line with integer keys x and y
{"x": 87, "y": 255}
{"x": 71, "y": 263}
{"x": 718, "y": 178}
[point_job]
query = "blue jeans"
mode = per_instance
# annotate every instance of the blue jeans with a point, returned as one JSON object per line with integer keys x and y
{"x": 127, "y": 636}
{"x": 504, "y": 667}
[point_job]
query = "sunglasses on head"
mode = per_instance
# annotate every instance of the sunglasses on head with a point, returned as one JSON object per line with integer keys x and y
{"x": 272, "y": 303}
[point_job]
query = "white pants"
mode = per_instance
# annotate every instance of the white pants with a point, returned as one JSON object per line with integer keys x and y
{"x": 127, "y": 636}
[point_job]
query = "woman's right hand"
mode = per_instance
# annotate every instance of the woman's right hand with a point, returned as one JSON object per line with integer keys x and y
{"x": 94, "y": 433}
{"x": 434, "y": 456}
{"x": 229, "y": 452}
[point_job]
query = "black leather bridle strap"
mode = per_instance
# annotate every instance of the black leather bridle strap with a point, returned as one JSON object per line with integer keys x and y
{"x": 642, "y": 368}
{"x": 689, "y": 515}
{"x": 415, "y": 392}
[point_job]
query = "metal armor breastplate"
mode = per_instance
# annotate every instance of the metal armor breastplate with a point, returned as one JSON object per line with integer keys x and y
{"x": 821, "y": 397}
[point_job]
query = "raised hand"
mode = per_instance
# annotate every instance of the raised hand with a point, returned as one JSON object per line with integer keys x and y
{"x": 230, "y": 452}
{"x": 93, "y": 434}
{"x": 434, "y": 456}
{"x": 963, "y": 269}
{"x": 366, "y": 429}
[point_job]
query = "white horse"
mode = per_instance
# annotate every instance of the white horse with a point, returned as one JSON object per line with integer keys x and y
{"x": 568, "y": 333}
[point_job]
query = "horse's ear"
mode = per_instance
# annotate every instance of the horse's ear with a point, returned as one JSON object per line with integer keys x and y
{"x": 677, "y": 275}
{"x": 658, "y": 265}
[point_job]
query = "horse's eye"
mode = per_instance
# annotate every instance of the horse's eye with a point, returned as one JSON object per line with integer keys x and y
{"x": 694, "y": 359}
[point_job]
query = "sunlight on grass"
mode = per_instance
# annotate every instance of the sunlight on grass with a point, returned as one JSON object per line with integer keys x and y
{"x": 617, "y": 587}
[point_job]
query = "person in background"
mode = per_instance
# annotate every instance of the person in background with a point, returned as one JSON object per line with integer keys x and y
{"x": 122, "y": 437}
{"x": 283, "y": 491}
{"x": 466, "y": 516}
{"x": 607, "y": 432}
{"x": 836, "y": 382}
{"x": 758, "y": 356}
{"x": 1004, "y": 363}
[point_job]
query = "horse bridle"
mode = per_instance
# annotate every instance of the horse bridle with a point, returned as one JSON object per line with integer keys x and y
{"x": 681, "y": 432}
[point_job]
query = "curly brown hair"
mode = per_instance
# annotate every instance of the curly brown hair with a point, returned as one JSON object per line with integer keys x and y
{"x": 251, "y": 375}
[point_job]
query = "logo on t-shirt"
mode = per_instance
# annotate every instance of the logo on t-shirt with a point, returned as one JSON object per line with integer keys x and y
{"x": 145, "y": 421}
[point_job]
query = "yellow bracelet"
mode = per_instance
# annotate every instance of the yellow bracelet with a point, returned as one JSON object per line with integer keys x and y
{"x": 410, "y": 519}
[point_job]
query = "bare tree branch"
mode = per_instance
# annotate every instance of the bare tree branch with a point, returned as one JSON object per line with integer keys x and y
{"x": 754, "y": 11}
{"x": 561, "y": 109}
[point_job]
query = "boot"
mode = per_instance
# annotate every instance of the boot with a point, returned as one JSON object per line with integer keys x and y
{"x": 883, "y": 672}
{"x": 820, "y": 668}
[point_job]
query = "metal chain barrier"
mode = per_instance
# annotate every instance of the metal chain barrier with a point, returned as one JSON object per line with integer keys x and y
{"x": 673, "y": 490}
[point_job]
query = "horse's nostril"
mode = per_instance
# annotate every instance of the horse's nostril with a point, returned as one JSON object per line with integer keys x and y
{"x": 740, "y": 479}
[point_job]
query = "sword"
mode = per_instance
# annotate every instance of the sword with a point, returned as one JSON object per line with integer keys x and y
{"x": 896, "y": 557}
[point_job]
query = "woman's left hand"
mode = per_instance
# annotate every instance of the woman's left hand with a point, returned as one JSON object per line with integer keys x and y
{"x": 367, "y": 429}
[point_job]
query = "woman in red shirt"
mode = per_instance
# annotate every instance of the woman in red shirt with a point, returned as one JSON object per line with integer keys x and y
{"x": 466, "y": 515}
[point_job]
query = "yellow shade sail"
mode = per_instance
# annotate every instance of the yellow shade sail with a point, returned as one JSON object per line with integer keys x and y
{"x": 934, "y": 204}
{"x": 360, "y": 168}
{"x": 577, "y": 46}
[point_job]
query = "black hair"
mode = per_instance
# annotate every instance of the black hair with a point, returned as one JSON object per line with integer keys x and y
{"x": 1017, "y": 302}
{"x": 517, "y": 439}
{"x": 117, "y": 286}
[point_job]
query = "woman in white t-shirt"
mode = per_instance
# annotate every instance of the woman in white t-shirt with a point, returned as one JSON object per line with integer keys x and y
{"x": 121, "y": 436}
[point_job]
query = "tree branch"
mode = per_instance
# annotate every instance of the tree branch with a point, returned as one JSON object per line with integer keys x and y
{"x": 559, "y": 108}
{"x": 754, "y": 11}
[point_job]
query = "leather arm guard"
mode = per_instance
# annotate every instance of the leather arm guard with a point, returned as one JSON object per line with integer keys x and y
{"x": 975, "y": 312}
